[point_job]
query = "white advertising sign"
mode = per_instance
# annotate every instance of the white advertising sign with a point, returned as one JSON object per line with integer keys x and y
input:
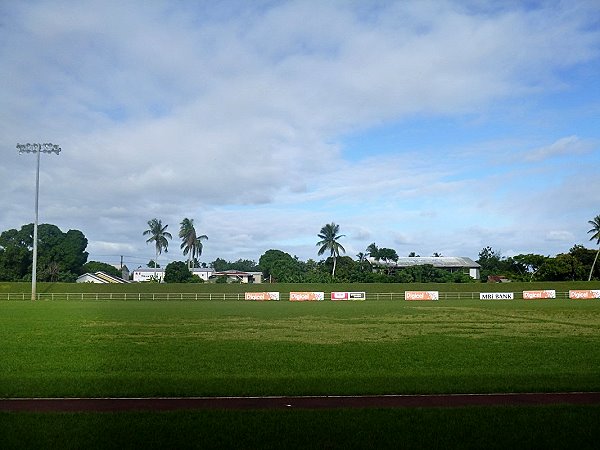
{"x": 496, "y": 296}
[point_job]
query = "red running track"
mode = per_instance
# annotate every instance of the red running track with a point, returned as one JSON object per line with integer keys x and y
{"x": 305, "y": 402}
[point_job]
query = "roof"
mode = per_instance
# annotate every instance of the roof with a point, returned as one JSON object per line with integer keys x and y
{"x": 101, "y": 277}
{"x": 442, "y": 262}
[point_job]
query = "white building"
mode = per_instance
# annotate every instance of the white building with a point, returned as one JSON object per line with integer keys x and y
{"x": 449, "y": 263}
{"x": 148, "y": 274}
{"x": 233, "y": 276}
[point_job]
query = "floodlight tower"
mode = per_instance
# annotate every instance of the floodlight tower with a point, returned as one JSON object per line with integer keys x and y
{"x": 39, "y": 149}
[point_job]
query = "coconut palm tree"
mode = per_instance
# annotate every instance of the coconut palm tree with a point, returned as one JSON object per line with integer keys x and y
{"x": 159, "y": 235}
{"x": 329, "y": 241}
{"x": 373, "y": 251}
{"x": 595, "y": 223}
{"x": 191, "y": 243}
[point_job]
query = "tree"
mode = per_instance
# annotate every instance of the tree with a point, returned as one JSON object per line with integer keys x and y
{"x": 373, "y": 251}
{"x": 97, "y": 266}
{"x": 595, "y": 223}
{"x": 191, "y": 243}
{"x": 159, "y": 235}
{"x": 490, "y": 262}
{"x": 179, "y": 272}
{"x": 60, "y": 255}
{"x": 280, "y": 267}
{"x": 562, "y": 268}
{"x": 329, "y": 241}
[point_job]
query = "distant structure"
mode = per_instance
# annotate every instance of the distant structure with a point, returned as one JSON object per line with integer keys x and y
{"x": 233, "y": 276}
{"x": 450, "y": 263}
{"x": 100, "y": 278}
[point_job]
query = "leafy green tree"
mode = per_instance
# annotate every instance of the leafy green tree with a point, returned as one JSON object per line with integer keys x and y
{"x": 528, "y": 265}
{"x": 97, "y": 266}
{"x": 595, "y": 223}
{"x": 244, "y": 265}
{"x": 159, "y": 235}
{"x": 60, "y": 255}
{"x": 153, "y": 264}
{"x": 278, "y": 266}
{"x": 562, "y": 268}
{"x": 329, "y": 242}
{"x": 191, "y": 243}
{"x": 490, "y": 262}
{"x": 219, "y": 265}
{"x": 179, "y": 272}
{"x": 15, "y": 255}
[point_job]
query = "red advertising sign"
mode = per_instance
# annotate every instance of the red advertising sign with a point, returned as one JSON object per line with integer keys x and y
{"x": 584, "y": 294}
{"x": 533, "y": 295}
{"x": 306, "y": 296}
{"x": 421, "y": 295}
{"x": 261, "y": 296}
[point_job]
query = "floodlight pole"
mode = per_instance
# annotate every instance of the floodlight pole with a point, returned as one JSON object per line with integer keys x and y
{"x": 39, "y": 149}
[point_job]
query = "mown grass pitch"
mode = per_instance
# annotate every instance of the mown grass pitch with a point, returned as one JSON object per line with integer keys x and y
{"x": 116, "y": 348}
{"x": 132, "y": 349}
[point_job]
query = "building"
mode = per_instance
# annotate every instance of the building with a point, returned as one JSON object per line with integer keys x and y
{"x": 148, "y": 274}
{"x": 100, "y": 278}
{"x": 449, "y": 263}
{"x": 233, "y": 276}
{"x": 238, "y": 276}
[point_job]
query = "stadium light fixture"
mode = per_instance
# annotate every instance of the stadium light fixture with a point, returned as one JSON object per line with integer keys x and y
{"x": 39, "y": 149}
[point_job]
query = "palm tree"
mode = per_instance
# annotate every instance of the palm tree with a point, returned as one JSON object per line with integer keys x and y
{"x": 159, "y": 235}
{"x": 191, "y": 243}
{"x": 595, "y": 223}
{"x": 373, "y": 251}
{"x": 329, "y": 241}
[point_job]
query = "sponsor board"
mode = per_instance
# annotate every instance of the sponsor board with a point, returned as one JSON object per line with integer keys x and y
{"x": 421, "y": 295}
{"x": 496, "y": 296}
{"x": 348, "y": 296}
{"x": 306, "y": 296}
{"x": 584, "y": 294}
{"x": 261, "y": 296}
{"x": 532, "y": 295}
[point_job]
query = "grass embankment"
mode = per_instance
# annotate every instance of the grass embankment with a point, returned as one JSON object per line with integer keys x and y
{"x": 13, "y": 287}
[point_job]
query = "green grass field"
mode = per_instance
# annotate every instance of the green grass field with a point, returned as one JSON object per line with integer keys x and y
{"x": 104, "y": 348}
{"x": 187, "y": 348}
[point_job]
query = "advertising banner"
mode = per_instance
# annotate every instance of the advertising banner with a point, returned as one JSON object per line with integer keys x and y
{"x": 421, "y": 295}
{"x": 584, "y": 294}
{"x": 348, "y": 296}
{"x": 496, "y": 296}
{"x": 306, "y": 296}
{"x": 532, "y": 295}
{"x": 261, "y": 296}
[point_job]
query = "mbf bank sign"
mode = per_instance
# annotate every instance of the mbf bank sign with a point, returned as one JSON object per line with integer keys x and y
{"x": 496, "y": 296}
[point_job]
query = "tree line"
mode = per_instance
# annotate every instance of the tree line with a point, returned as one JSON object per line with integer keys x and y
{"x": 62, "y": 257}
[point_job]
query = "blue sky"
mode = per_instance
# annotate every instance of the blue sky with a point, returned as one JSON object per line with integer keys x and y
{"x": 425, "y": 126}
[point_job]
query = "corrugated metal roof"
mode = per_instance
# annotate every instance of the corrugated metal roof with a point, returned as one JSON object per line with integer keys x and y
{"x": 442, "y": 262}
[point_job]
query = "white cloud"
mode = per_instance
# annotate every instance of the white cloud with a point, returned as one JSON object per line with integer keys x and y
{"x": 173, "y": 110}
{"x": 567, "y": 146}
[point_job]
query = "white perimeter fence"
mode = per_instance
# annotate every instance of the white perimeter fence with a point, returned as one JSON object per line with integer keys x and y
{"x": 224, "y": 296}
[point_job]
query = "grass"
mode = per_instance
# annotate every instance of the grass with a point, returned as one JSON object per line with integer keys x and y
{"x": 130, "y": 349}
{"x": 464, "y": 428}
{"x": 139, "y": 348}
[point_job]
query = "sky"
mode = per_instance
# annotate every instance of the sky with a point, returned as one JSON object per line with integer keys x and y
{"x": 422, "y": 126}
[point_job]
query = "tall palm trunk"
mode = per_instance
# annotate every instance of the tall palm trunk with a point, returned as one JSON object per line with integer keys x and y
{"x": 593, "y": 264}
{"x": 333, "y": 271}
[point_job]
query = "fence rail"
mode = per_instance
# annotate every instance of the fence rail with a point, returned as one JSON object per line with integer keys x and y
{"x": 202, "y": 296}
